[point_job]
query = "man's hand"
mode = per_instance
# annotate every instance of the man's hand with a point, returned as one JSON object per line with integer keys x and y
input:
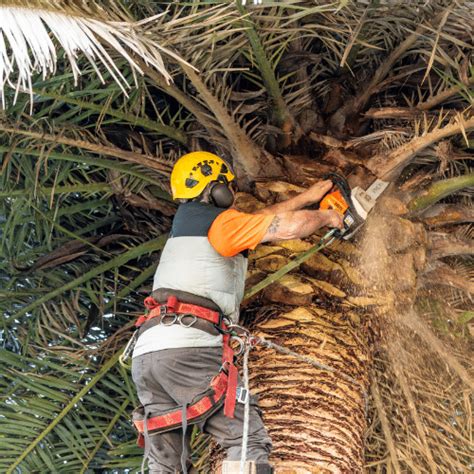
{"x": 289, "y": 222}
{"x": 317, "y": 191}
{"x": 333, "y": 218}
{"x": 311, "y": 196}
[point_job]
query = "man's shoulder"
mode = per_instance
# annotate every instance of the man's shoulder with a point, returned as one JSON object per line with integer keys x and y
{"x": 193, "y": 219}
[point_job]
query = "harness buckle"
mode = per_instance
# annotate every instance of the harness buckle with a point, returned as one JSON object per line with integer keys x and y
{"x": 242, "y": 395}
{"x": 223, "y": 323}
{"x": 225, "y": 367}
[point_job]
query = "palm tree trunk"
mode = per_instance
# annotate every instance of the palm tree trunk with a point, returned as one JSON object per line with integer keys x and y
{"x": 316, "y": 418}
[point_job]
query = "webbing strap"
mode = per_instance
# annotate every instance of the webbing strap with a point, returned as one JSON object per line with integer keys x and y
{"x": 231, "y": 392}
{"x": 174, "y": 419}
{"x": 173, "y": 306}
{"x": 184, "y": 445}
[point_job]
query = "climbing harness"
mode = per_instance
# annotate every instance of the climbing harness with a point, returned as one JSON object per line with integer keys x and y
{"x": 223, "y": 387}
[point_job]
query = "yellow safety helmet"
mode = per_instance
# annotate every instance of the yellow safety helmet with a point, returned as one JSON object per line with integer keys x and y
{"x": 194, "y": 171}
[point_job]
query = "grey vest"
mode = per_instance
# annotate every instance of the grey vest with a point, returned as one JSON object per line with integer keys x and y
{"x": 190, "y": 263}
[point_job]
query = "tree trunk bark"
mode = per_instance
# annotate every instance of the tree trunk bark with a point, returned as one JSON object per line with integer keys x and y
{"x": 316, "y": 418}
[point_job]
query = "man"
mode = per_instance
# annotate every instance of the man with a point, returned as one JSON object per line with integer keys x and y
{"x": 182, "y": 366}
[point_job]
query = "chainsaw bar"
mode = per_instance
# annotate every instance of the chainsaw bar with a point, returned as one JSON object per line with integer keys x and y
{"x": 355, "y": 205}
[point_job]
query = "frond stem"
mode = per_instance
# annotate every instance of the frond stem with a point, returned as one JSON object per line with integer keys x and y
{"x": 171, "y": 132}
{"x": 131, "y": 156}
{"x": 100, "y": 162}
{"x": 387, "y": 166}
{"x": 122, "y": 259}
{"x": 438, "y": 191}
{"x": 282, "y": 117}
{"x": 385, "y": 68}
{"x": 80, "y": 188}
{"x": 244, "y": 150}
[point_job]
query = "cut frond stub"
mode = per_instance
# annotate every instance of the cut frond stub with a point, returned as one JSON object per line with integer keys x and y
{"x": 29, "y": 38}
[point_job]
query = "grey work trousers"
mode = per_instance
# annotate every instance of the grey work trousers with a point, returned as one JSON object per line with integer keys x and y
{"x": 167, "y": 379}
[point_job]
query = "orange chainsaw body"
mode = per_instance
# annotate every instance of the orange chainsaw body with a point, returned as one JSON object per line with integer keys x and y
{"x": 334, "y": 200}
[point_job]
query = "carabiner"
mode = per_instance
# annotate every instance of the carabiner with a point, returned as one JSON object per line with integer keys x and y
{"x": 128, "y": 349}
{"x": 241, "y": 345}
{"x": 238, "y": 330}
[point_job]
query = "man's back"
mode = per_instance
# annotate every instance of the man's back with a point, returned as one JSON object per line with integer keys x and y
{"x": 205, "y": 256}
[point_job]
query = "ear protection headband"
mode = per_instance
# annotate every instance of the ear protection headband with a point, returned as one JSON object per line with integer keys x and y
{"x": 220, "y": 194}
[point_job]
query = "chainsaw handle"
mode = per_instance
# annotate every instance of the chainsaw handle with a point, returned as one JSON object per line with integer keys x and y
{"x": 341, "y": 183}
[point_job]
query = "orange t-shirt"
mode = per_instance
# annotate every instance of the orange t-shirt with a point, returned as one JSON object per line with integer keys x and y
{"x": 234, "y": 231}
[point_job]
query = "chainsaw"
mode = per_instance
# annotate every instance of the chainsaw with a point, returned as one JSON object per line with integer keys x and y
{"x": 354, "y": 205}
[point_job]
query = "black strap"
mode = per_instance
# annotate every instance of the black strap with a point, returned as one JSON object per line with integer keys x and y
{"x": 146, "y": 438}
{"x": 162, "y": 294}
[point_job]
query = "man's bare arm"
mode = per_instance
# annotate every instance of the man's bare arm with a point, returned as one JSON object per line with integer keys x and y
{"x": 311, "y": 196}
{"x": 299, "y": 224}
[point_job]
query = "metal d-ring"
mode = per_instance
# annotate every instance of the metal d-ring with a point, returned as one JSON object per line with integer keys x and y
{"x": 173, "y": 318}
{"x": 181, "y": 320}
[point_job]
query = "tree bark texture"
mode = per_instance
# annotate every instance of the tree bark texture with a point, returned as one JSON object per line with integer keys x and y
{"x": 316, "y": 418}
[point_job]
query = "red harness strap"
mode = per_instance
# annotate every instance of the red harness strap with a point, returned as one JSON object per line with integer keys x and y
{"x": 223, "y": 384}
{"x": 174, "y": 419}
{"x": 173, "y": 306}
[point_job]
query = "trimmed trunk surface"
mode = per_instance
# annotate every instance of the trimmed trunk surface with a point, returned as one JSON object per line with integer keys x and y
{"x": 316, "y": 418}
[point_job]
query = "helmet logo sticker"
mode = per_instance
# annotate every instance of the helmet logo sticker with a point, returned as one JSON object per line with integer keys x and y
{"x": 190, "y": 182}
{"x": 206, "y": 170}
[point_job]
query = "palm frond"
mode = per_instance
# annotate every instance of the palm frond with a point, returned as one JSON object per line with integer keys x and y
{"x": 54, "y": 424}
{"x": 30, "y": 35}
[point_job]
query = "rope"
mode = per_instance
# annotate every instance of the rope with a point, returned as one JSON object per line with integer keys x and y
{"x": 309, "y": 360}
{"x": 249, "y": 342}
{"x": 245, "y": 435}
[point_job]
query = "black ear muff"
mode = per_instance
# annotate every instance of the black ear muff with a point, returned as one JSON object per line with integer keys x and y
{"x": 221, "y": 195}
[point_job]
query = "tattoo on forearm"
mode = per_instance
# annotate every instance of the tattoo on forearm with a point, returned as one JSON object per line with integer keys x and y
{"x": 274, "y": 226}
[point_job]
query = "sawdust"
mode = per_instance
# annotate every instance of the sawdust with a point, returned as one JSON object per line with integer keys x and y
{"x": 374, "y": 261}
{"x": 423, "y": 384}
